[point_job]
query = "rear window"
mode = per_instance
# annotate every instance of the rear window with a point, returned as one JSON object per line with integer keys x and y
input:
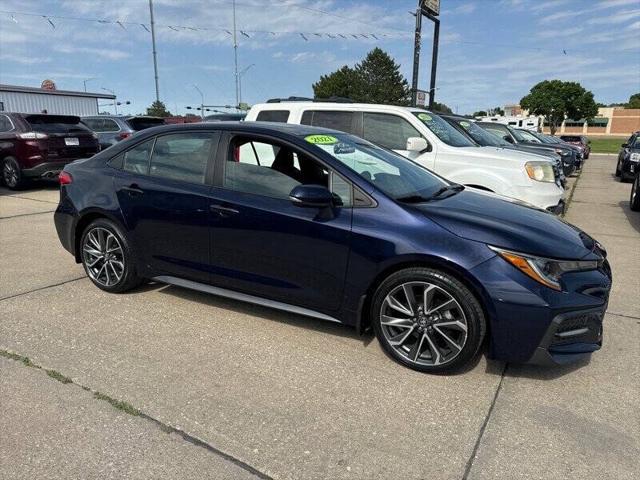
{"x": 56, "y": 124}
{"x": 280, "y": 116}
{"x": 140, "y": 123}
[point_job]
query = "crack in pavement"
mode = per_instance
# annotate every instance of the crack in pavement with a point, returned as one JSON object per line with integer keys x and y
{"x": 42, "y": 288}
{"x": 476, "y": 447}
{"x": 623, "y": 315}
{"x": 131, "y": 410}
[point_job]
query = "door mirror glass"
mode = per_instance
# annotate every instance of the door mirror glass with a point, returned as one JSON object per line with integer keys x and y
{"x": 311, "y": 196}
{"x": 625, "y": 145}
{"x": 507, "y": 138}
{"x": 417, "y": 144}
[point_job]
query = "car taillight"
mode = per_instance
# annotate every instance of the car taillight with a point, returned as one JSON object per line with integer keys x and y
{"x": 33, "y": 136}
{"x": 124, "y": 135}
{"x": 65, "y": 178}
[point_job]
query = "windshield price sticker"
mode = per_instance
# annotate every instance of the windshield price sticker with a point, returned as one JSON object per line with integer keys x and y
{"x": 321, "y": 139}
{"x": 424, "y": 116}
{"x": 464, "y": 124}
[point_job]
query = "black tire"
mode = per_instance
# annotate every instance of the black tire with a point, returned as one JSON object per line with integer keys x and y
{"x": 618, "y": 169}
{"x": 12, "y": 174}
{"x": 466, "y": 309}
{"x": 634, "y": 198}
{"x": 129, "y": 278}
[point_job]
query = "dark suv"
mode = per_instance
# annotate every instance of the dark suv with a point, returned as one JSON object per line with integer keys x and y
{"x": 113, "y": 128}
{"x": 629, "y": 158}
{"x": 40, "y": 145}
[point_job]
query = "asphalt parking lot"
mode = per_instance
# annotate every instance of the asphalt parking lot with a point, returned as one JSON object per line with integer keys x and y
{"x": 165, "y": 382}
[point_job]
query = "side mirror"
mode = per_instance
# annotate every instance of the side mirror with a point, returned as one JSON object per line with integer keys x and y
{"x": 625, "y": 145}
{"x": 508, "y": 138}
{"x": 311, "y": 196}
{"x": 417, "y": 144}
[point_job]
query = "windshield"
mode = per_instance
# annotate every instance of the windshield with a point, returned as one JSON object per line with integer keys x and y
{"x": 443, "y": 130}
{"x": 528, "y": 136}
{"x": 480, "y": 135}
{"x": 393, "y": 174}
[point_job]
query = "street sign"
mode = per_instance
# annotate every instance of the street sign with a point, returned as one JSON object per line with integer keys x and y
{"x": 432, "y": 7}
{"x": 421, "y": 98}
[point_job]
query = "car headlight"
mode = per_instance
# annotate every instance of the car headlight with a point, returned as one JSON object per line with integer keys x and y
{"x": 546, "y": 271}
{"x": 540, "y": 171}
{"x": 635, "y": 157}
{"x": 562, "y": 152}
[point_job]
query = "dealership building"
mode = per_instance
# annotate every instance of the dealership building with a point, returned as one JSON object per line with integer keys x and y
{"x": 47, "y": 98}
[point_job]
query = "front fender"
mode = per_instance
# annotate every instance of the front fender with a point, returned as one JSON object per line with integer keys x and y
{"x": 484, "y": 179}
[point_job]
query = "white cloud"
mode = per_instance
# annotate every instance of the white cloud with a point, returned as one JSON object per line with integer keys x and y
{"x": 617, "y": 17}
{"x": 109, "y": 54}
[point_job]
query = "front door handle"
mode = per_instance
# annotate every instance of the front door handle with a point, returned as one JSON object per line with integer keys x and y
{"x": 133, "y": 189}
{"x": 222, "y": 210}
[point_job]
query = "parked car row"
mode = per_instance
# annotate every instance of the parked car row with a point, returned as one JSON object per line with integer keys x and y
{"x": 629, "y": 158}
{"x": 433, "y": 142}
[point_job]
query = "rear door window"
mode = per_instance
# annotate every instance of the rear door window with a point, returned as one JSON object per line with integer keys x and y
{"x": 390, "y": 131}
{"x": 337, "y": 120}
{"x": 281, "y": 116}
{"x": 183, "y": 156}
{"x": 136, "y": 160}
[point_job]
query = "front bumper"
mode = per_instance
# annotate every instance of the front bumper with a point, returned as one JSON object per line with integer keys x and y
{"x": 571, "y": 337}
{"x": 558, "y": 209}
{"x": 531, "y": 323}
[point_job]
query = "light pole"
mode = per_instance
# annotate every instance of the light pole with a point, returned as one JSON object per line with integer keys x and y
{"x": 431, "y": 10}
{"x": 115, "y": 104}
{"x": 87, "y": 80}
{"x": 153, "y": 47}
{"x": 201, "y": 100}
{"x": 240, "y": 74}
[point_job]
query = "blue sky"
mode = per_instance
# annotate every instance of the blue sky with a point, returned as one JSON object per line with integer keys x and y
{"x": 491, "y": 51}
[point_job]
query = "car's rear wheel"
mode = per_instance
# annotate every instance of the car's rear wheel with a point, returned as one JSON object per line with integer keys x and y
{"x": 108, "y": 258}
{"x": 634, "y": 199}
{"x": 11, "y": 174}
{"x": 427, "y": 320}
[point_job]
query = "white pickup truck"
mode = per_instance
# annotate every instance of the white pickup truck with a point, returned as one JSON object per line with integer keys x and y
{"x": 432, "y": 142}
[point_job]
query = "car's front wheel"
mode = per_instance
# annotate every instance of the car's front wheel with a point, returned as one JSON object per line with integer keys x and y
{"x": 634, "y": 199}
{"x": 427, "y": 320}
{"x": 108, "y": 258}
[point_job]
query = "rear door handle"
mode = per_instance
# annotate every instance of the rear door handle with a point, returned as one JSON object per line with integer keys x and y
{"x": 133, "y": 189}
{"x": 222, "y": 210}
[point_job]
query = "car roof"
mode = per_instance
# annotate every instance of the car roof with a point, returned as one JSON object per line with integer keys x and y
{"x": 247, "y": 127}
{"x": 334, "y": 106}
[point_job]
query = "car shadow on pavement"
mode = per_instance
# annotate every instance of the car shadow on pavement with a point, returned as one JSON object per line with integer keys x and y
{"x": 634, "y": 217}
{"x": 552, "y": 372}
{"x": 265, "y": 313}
{"x": 36, "y": 186}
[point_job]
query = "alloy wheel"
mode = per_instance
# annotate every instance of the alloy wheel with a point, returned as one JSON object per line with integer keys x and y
{"x": 103, "y": 256}
{"x": 423, "y": 323}
{"x": 10, "y": 174}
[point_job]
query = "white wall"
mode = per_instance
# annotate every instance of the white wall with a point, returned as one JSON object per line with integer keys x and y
{"x": 54, "y": 104}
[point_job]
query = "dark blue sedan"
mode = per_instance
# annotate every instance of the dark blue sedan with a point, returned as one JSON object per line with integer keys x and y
{"x": 327, "y": 225}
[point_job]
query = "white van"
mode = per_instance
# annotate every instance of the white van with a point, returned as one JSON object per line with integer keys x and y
{"x": 434, "y": 143}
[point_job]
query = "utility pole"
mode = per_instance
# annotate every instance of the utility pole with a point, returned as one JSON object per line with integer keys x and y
{"x": 235, "y": 55}
{"x": 153, "y": 43}
{"x": 431, "y": 10}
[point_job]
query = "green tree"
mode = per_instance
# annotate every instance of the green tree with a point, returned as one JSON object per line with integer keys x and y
{"x": 441, "y": 107}
{"x": 634, "y": 101}
{"x": 497, "y": 111}
{"x": 377, "y": 79}
{"x": 158, "y": 109}
{"x": 341, "y": 83}
{"x": 479, "y": 113}
{"x": 557, "y": 100}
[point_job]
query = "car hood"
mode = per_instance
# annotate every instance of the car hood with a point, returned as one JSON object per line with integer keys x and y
{"x": 502, "y": 154}
{"x": 542, "y": 152}
{"x": 507, "y": 223}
